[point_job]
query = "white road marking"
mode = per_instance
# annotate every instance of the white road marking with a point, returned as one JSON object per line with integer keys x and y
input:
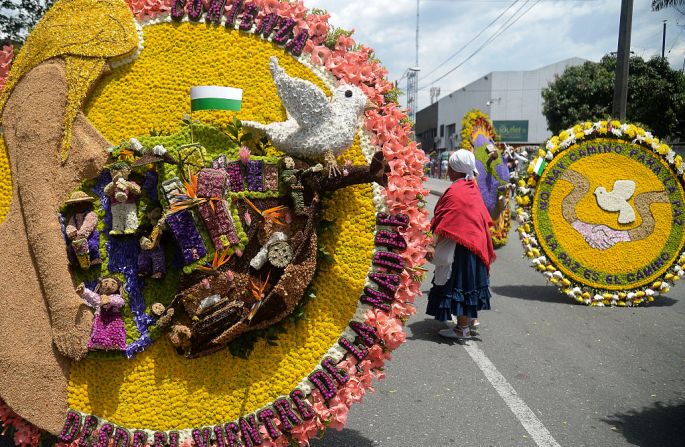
{"x": 523, "y": 413}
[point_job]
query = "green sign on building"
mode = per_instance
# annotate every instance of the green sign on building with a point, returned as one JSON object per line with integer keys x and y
{"x": 512, "y": 131}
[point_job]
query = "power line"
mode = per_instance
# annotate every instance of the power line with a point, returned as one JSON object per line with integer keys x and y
{"x": 505, "y": 26}
{"x": 472, "y": 40}
{"x": 676, "y": 39}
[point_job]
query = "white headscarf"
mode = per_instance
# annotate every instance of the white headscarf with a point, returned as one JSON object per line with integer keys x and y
{"x": 465, "y": 162}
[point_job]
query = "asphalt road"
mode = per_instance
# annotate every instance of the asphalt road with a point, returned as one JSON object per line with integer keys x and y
{"x": 591, "y": 376}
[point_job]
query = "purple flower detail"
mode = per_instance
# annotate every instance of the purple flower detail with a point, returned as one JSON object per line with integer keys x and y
{"x": 233, "y": 13}
{"x": 288, "y": 418}
{"x": 121, "y": 436}
{"x": 160, "y": 439}
{"x": 489, "y": 184}
{"x": 178, "y": 9}
{"x": 389, "y": 260}
{"x": 108, "y": 331}
{"x": 250, "y": 430}
{"x": 182, "y": 226}
{"x": 99, "y": 190}
{"x": 285, "y": 30}
{"x": 215, "y": 12}
{"x": 232, "y": 434}
{"x": 324, "y": 384}
{"x": 123, "y": 258}
{"x": 211, "y": 183}
{"x": 235, "y": 176}
{"x": 90, "y": 423}
{"x": 391, "y": 239}
{"x": 303, "y": 407}
{"x": 338, "y": 374}
{"x": 104, "y": 434}
{"x": 149, "y": 185}
{"x": 266, "y": 416}
{"x": 394, "y": 220}
{"x": 138, "y": 346}
{"x": 139, "y": 439}
{"x": 388, "y": 281}
{"x": 366, "y": 333}
{"x": 267, "y": 25}
{"x": 296, "y": 46}
{"x": 356, "y": 351}
{"x": 195, "y": 10}
{"x": 219, "y": 433}
{"x": 219, "y": 223}
{"x": 71, "y": 429}
{"x": 376, "y": 299}
{"x": 249, "y": 14}
{"x": 255, "y": 178}
{"x": 202, "y": 437}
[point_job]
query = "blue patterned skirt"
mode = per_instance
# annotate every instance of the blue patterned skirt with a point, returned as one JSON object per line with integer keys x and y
{"x": 465, "y": 293}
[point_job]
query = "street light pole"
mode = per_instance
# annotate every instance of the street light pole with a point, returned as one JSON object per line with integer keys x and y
{"x": 663, "y": 41}
{"x": 623, "y": 61}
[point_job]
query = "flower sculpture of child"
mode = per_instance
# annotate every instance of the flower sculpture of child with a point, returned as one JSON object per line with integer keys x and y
{"x": 292, "y": 177}
{"x": 151, "y": 258}
{"x": 123, "y": 193}
{"x": 108, "y": 326}
{"x": 81, "y": 230}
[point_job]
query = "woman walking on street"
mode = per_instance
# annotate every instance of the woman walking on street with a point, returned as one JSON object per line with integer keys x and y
{"x": 462, "y": 250}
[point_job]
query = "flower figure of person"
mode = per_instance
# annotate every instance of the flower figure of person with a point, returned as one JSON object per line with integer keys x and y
{"x": 292, "y": 177}
{"x": 81, "y": 230}
{"x": 124, "y": 194}
{"x": 108, "y": 326}
{"x": 151, "y": 257}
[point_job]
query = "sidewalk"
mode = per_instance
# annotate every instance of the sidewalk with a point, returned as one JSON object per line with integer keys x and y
{"x": 436, "y": 186}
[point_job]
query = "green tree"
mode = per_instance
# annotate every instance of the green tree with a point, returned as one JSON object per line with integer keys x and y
{"x": 656, "y": 96}
{"x": 18, "y": 17}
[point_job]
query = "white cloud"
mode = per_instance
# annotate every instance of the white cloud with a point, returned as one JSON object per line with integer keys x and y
{"x": 551, "y": 31}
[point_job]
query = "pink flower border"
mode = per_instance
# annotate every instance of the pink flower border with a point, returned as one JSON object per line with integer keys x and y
{"x": 390, "y": 131}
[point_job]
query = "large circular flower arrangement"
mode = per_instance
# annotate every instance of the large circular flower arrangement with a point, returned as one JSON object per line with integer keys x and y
{"x": 602, "y": 214}
{"x": 478, "y": 135}
{"x": 301, "y": 376}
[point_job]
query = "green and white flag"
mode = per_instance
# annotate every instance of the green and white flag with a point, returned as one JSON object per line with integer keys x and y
{"x": 540, "y": 164}
{"x": 212, "y": 97}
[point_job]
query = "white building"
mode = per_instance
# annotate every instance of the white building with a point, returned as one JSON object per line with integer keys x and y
{"x": 512, "y": 99}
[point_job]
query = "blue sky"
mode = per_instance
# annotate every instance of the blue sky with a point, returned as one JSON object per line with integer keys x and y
{"x": 551, "y": 31}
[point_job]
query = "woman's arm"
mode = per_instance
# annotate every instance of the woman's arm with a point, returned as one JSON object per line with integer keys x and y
{"x": 43, "y": 183}
{"x": 90, "y": 221}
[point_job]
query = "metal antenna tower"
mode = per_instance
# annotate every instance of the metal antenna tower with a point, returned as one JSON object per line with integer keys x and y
{"x": 412, "y": 92}
{"x": 413, "y": 77}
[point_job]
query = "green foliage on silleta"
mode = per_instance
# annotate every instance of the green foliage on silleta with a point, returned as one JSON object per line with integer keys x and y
{"x": 656, "y": 96}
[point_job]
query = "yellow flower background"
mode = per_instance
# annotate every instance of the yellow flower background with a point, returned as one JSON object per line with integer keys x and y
{"x": 159, "y": 389}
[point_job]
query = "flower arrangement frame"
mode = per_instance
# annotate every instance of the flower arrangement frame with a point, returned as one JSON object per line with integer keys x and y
{"x": 344, "y": 375}
{"x": 619, "y": 138}
{"x": 476, "y": 121}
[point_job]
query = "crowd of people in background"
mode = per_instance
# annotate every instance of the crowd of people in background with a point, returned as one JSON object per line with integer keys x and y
{"x": 516, "y": 158}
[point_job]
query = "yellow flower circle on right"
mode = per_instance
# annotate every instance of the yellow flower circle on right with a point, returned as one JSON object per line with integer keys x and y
{"x": 607, "y": 214}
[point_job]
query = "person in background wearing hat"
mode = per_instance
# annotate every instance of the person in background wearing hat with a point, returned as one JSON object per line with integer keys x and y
{"x": 81, "y": 230}
{"x": 462, "y": 250}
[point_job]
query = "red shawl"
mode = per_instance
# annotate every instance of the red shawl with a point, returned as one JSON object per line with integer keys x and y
{"x": 461, "y": 215}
